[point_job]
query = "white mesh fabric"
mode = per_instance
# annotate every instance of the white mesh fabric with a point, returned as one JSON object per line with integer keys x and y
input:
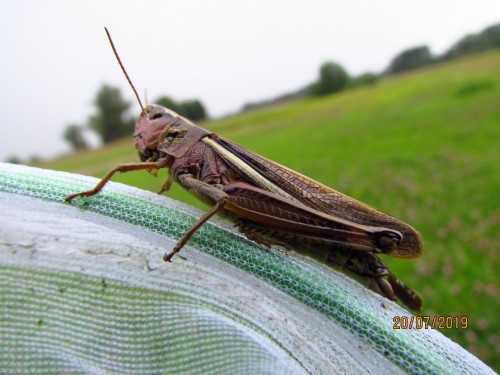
{"x": 84, "y": 289}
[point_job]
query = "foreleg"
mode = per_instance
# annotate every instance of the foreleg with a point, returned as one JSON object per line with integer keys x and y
{"x": 122, "y": 168}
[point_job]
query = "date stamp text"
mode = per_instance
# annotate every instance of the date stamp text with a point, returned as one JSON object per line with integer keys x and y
{"x": 435, "y": 322}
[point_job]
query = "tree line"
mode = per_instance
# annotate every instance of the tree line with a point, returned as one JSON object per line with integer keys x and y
{"x": 334, "y": 78}
{"x": 110, "y": 120}
{"x": 421, "y": 55}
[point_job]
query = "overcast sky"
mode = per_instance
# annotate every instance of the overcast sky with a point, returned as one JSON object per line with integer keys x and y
{"x": 55, "y": 55}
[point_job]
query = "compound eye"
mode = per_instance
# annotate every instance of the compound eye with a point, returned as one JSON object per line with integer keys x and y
{"x": 155, "y": 112}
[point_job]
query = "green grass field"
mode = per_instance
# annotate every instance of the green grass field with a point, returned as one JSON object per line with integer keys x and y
{"x": 422, "y": 146}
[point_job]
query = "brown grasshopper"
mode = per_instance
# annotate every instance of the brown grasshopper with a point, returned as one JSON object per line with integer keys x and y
{"x": 270, "y": 203}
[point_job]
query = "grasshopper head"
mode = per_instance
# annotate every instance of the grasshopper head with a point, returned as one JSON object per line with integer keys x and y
{"x": 153, "y": 123}
{"x": 160, "y": 133}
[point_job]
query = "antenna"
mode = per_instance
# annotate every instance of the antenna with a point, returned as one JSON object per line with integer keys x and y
{"x": 123, "y": 68}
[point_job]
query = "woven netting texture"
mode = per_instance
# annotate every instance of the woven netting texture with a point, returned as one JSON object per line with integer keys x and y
{"x": 84, "y": 289}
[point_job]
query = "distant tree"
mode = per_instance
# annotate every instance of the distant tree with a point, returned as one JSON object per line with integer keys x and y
{"x": 193, "y": 110}
{"x": 332, "y": 78}
{"x": 491, "y": 36}
{"x": 13, "y": 160}
{"x": 168, "y": 102}
{"x": 364, "y": 79}
{"x": 467, "y": 45}
{"x": 410, "y": 59}
{"x": 110, "y": 121}
{"x": 474, "y": 43}
{"x": 74, "y": 136}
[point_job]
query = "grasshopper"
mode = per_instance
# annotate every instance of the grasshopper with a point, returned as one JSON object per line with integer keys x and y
{"x": 268, "y": 202}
